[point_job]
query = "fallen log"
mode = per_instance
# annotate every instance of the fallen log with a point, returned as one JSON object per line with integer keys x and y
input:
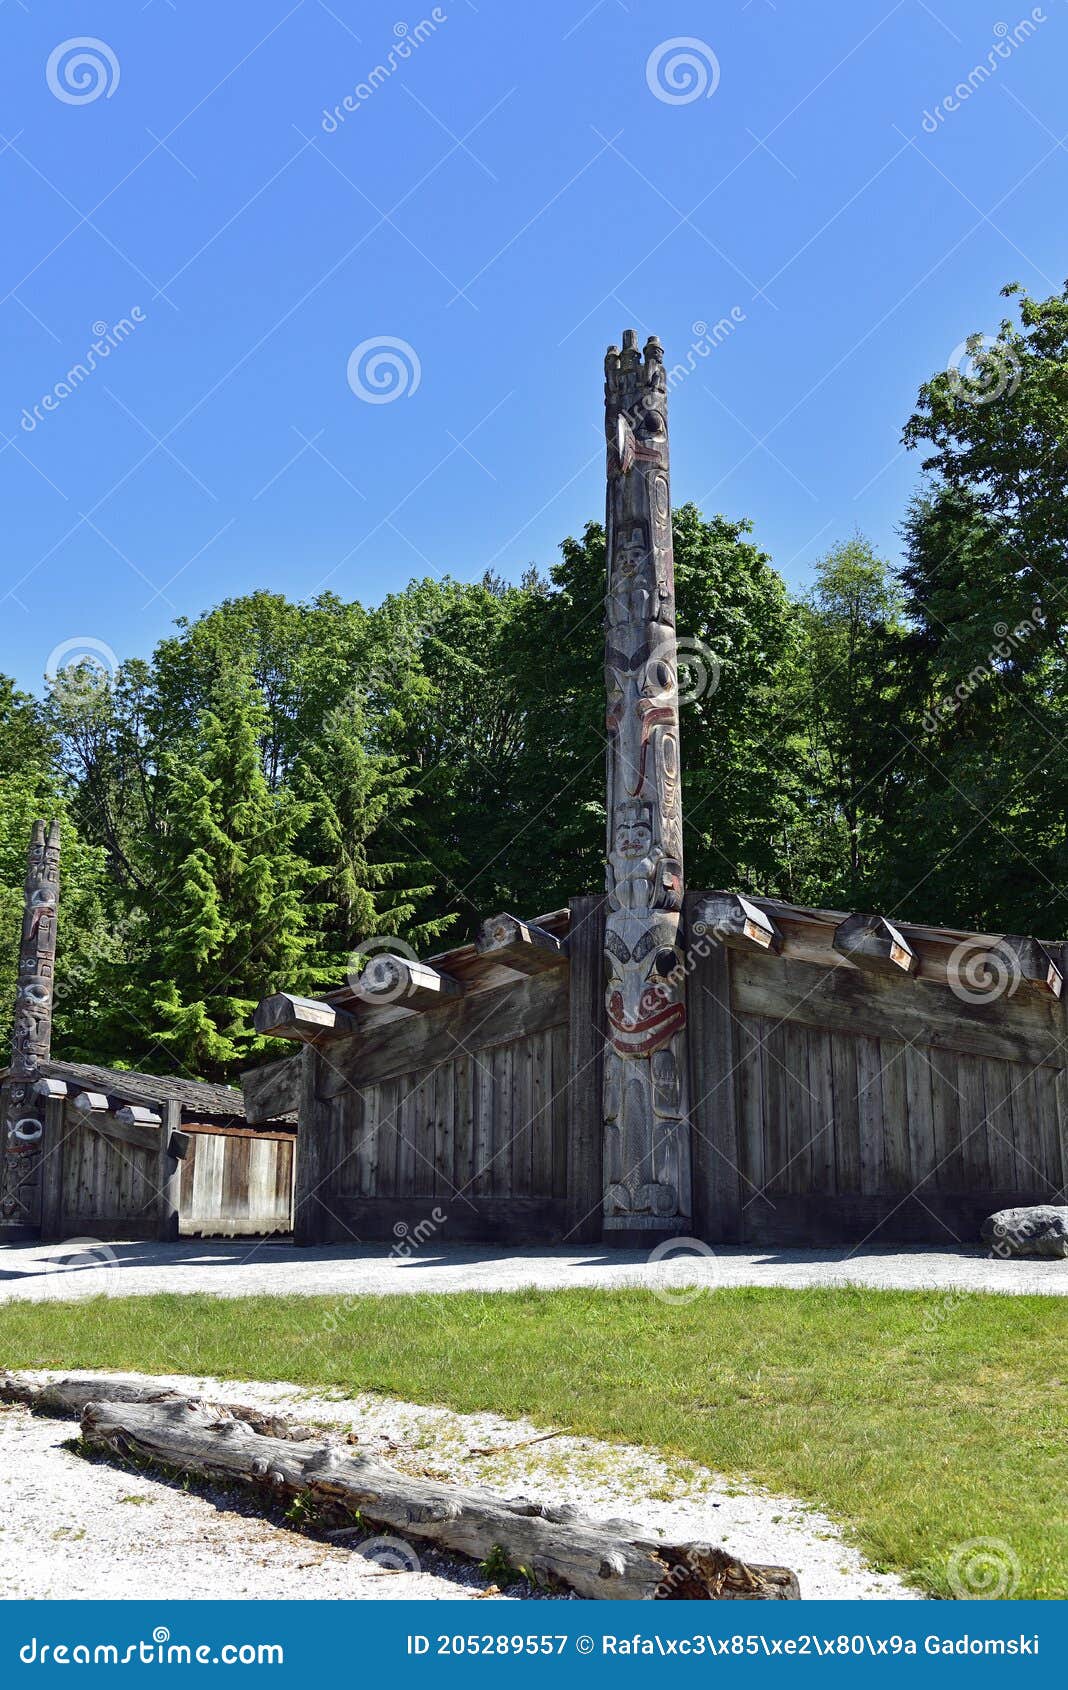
{"x": 67, "y": 1398}
{"x": 600, "y": 1560}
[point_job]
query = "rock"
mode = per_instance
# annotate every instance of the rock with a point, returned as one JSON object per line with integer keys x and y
{"x": 1038, "y": 1231}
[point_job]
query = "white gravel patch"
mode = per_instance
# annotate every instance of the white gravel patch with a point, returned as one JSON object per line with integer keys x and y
{"x": 69, "y": 1527}
{"x": 265, "y": 1267}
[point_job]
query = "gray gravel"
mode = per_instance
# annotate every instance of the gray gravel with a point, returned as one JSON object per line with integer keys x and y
{"x": 69, "y": 1527}
{"x": 241, "y": 1268}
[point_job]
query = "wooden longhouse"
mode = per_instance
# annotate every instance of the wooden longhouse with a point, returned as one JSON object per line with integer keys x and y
{"x": 853, "y": 1080}
{"x": 655, "y": 1063}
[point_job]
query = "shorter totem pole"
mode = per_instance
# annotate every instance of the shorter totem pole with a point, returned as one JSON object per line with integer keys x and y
{"x": 646, "y": 1107}
{"x": 21, "y": 1110}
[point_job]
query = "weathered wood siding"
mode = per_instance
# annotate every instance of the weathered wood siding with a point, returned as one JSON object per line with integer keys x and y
{"x": 107, "y": 1189}
{"x": 455, "y": 1118}
{"x": 235, "y": 1183}
{"x": 874, "y": 1109}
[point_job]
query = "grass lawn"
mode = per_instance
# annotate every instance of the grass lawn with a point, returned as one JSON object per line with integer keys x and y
{"x": 922, "y": 1421}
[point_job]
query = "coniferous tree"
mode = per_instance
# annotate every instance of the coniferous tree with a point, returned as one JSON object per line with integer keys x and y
{"x": 230, "y": 889}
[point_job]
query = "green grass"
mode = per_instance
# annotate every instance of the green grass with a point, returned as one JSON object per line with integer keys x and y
{"x": 919, "y": 1421}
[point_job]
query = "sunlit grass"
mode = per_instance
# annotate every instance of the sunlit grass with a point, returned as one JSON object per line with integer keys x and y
{"x": 920, "y": 1421}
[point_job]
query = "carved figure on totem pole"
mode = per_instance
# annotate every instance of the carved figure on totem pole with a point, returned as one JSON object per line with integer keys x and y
{"x": 647, "y": 1133}
{"x": 22, "y": 1113}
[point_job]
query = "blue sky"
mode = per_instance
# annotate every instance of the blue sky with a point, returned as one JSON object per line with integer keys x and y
{"x": 510, "y": 195}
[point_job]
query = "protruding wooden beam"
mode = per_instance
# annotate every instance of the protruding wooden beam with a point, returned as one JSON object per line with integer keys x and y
{"x": 874, "y": 944}
{"x": 136, "y": 1115}
{"x": 51, "y": 1088}
{"x": 1022, "y": 961}
{"x": 521, "y": 945}
{"x": 402, "y": 980}
{"x": 284, "y": 1016}
{"x": 735, "y": 922}
{"x": 271, "y": 1092}
{"x": 91, "y": 1103}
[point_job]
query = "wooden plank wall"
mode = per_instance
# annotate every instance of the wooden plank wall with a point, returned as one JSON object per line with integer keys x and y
{"x": 475, "y": 1138}
{"x": 108, "y": 1190}
{"x": 849, "y": 1134}
{"x": 236, "y": 1184}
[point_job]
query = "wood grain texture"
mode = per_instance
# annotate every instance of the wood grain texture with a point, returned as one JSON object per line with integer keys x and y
{"x": 272, "y": 1092}
{"x": 714, "y": 1059}
{"x": 597, "y": 1560}
{"x": 585, "y": 1083}
{"x": 1023, "y": 1028}
{"x": 516, "y": 1009}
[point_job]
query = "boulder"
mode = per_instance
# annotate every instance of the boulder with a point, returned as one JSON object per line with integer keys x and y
{"x": 1038, "y": 1231}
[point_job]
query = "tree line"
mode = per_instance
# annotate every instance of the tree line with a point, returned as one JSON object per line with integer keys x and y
{"x": 283, "y": 782}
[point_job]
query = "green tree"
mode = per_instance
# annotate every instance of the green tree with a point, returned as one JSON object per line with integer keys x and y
{"x": 847, "y": 718}
{"x": 229, "y": 921}
{"x": 986, "y": 576}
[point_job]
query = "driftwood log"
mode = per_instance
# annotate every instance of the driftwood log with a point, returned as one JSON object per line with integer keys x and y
{"x": 67, "y": 1399}
{"x": 598, "y": 1559}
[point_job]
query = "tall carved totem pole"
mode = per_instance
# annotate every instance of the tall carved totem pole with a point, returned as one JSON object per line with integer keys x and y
{"x": 646, "y": 1103}
{"x": 22, "y": 1111}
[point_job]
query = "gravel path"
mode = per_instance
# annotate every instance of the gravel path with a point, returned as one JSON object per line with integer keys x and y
{"x": 71, "y": 1527}
{"x": 240, "y": 1268}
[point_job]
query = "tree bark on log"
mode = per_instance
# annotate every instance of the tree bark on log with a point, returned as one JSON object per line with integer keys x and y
{"x": 600, "y": 1560}
{"x": 67, "y": 1399}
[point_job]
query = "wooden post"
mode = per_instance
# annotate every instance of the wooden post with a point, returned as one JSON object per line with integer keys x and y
{"x": 717, "y": 1186}
{"x": 586, "y": 1046}
{"x": 21, "y": 1112}
{"x": 169, "y": 1173}
{"x": 52, "y": 1168}
{"x": 309, "y": 1216}
{"x": 646, "y": 1108}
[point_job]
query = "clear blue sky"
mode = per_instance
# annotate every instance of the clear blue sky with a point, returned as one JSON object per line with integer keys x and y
{"x": 508, "y": 198}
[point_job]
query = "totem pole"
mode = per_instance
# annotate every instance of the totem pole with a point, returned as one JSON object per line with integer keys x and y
{"x": 22, "y": 1111}
{"x": 647, "y": 1131}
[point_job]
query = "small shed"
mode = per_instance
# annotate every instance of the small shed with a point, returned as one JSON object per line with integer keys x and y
{"x": 129, "y": 1155}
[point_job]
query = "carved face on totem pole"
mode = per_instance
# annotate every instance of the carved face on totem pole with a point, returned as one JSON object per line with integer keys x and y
{"x": 645, "y": 975}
